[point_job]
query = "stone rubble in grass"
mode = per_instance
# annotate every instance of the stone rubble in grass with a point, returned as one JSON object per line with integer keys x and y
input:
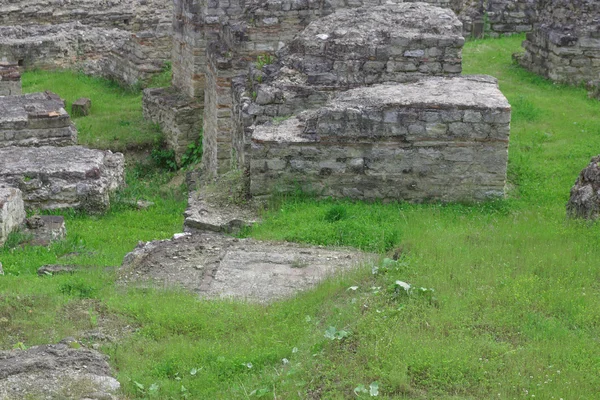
{"x": 584, "y": 201}
{"x": 12, "y": 211}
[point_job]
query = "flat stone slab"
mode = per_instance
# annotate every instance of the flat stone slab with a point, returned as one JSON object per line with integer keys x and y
{"x": 62, "y": 177}
{"x": 56, "y": 371}
{"x": 35, "y": 119}
{"x": 218, "y": 266}
{"x": 12, "y": 211}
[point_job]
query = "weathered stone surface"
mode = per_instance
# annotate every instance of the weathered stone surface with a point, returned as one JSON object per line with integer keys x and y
{"x": 437, "y": 139}
{"x": 1, "y": 270}
{"x": 35, "y": 119}
{"x": 497, "y": 17}
{"x": 62, "y": 177}
{"x": 179, "y": 117}
{"x": 56, "y": 371}
{"x": 81, "y": 107}
{"x": 209, "y": 210}
{"x": 42, "y": 230}
{"x": 125, "y": 40}
{"x": 585, "y": 194}
{"x": 218, "y": 266}
{"x": 12, "y": 211}
{"x": 564, "y": 45}
{"x": 10, "y": 79}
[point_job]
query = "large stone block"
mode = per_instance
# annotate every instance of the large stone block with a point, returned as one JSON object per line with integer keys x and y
{"x": 62, "y": 177}
{"x": 35, "y": 119}
{"x": 12, "y": 211}
{"x": 437, "y": 139}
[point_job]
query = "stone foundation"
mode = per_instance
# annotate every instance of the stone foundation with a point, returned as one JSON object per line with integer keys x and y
{"x": 179, "y": 117}
{"x": 10, "y": 79}
{"x": 12, "y": 211}
{"x": 125, "y": 40}
{"x": 35, "y": 119}
{"x": 565, "y": 46}
{"x": 496, "y": 18}
{"x": 437, "y": 139}
{"x": 62, "y": 177}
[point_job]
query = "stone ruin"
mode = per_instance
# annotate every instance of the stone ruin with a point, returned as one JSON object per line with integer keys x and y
{"x": 124, "y": 40}
{"x": 584, "y": 201}
{"x": 213, "y": 42}
{"x": 565, "y": 44}
{"x": 39, "y": 157}
{"x": 35, "y": 119}
{"x": 10, "y": 79}
{"x": 350, "y": 108}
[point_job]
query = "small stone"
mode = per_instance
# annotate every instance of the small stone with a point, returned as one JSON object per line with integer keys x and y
{"x": 585, "y": 201}
{"x": 1, "y": 270}
{"x": 56, "y": 269}
{"x": 81, "y": 107}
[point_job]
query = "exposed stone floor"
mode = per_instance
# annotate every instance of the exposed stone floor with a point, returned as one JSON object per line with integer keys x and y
{"x": 218, "y": 266}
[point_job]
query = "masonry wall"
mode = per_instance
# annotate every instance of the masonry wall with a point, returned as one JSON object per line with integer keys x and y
{"x": 414, "y": 149}
{"x": 35, "y": 119}
{"x": 10, "y": 79}
{"x": 565, "y": 45}
{"x": 497, "y": 17}
{"x": 125, "y": 40}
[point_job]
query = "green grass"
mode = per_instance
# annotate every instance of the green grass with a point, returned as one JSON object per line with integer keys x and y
{"x": 115, "y": 121}
{"x": 515, "y": 311}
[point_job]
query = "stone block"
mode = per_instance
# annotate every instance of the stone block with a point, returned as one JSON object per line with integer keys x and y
{"x": 377, "y": 156}
{"x": 62, "y": 177}
{"x": 10, "y": 79}
{"x": 81, "y": 107}
{"x": 12, "y": 211}
{"x": 35, "y": 119}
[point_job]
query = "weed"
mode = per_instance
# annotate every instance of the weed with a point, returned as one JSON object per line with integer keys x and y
{"x": 163, "y": 157}
{"x": 193, "y": 153}
{"x": 263, "y": 60}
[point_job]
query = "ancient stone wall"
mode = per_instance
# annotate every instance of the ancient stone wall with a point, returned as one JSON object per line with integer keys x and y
{"x": 565, "y": 44}
{"x": 496, "y": 17}
{"x": 35, "y": 119}
{"x": 125, "y": 40}
{"x": 10, "y": 79}
{"x": 437, "y": 139}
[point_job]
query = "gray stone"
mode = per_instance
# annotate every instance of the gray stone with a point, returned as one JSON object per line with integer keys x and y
{"x": 62, "y": 177}
{"x": 218, "y": 266}
{"x": 42, "y": 230}
{"x": 12, "y": 211}
{"x": 56, "y": 371}
{"x": 1, "y": 270}
{"x": 405, "y": 157}
{"x": 207, "y": 213}
{"x": 81, "y": 107}
{"x": 10, "y": 79}
{"x": 584, "y": 201}
{"x": 35, "y": 119}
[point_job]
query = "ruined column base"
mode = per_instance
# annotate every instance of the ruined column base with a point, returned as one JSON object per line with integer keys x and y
{"x": 62, "y": 177}
{"x": 179, "y": 117}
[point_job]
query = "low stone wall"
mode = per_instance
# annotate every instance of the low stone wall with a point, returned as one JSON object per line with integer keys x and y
{"x": 12, "y": 211}
{"x": 62, "y": 177}
{"x": 35, "y": 119}
{"x": 178, "y": 116}
{"x": 125, "y": 40}
{"x": 565, "y": 45}
{"x": 438, "y": 139}
{"x": 497, "y": 18}
{"x": 10, "y": 79}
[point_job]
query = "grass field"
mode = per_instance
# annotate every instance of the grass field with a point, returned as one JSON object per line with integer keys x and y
{"x": 509, "y": 306}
